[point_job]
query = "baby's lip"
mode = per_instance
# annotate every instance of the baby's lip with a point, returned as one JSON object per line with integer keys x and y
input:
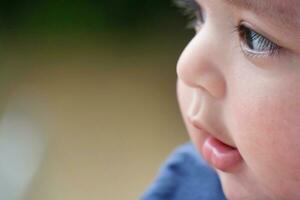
{"x": 202, "y": 129}
{"x": 220, "y": 155}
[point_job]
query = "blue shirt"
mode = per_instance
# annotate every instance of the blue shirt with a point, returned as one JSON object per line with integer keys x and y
{"x": 185, "y": 176}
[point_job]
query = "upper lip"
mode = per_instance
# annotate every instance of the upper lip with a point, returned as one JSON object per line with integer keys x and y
{"x": 208, "y": 130}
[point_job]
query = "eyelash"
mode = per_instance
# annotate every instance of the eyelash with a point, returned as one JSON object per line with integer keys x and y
{"x": 265, "y": 47}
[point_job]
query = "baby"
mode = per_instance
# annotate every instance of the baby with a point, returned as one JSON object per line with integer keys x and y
{"x": 239, "y": 94}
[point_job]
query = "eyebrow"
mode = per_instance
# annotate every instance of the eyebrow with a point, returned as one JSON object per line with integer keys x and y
{"x": 286, "y": 13}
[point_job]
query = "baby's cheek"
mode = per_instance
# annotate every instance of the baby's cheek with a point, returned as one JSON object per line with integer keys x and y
{"x": 270, "y": 124}
{"x": 253, "y": 127}
{"x": 266, "y": 129}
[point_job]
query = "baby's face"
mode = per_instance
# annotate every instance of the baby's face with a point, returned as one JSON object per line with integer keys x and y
{"x": 239, "y": 93}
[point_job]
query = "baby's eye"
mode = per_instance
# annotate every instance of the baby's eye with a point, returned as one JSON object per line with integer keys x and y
{"x": 255, "y": 44}
{"x": 193, "y": 11}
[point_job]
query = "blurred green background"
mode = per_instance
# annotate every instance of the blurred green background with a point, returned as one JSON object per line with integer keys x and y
{"x": 88, "y": 97}
{"x": 66, "y": 16}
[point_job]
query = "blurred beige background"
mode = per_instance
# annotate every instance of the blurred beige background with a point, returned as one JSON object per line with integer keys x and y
{"x": 106, "y": 110}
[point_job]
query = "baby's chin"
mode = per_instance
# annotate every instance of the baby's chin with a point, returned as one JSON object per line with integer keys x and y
{"x": 239, "y": 186}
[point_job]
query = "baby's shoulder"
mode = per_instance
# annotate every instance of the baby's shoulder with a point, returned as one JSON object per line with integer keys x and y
{"x": 185, "y": 176}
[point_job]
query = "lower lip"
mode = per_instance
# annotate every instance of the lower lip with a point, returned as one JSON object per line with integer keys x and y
{"x": 220, "y": 155}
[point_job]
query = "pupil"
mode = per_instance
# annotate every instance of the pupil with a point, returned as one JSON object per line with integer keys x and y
{"x": 249, "y": 36}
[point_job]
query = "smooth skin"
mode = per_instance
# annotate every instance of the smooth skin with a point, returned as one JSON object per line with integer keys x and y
{"x": 247, "y": 99}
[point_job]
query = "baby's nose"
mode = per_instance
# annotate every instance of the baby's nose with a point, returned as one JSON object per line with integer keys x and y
{"x": 198, "y": 68}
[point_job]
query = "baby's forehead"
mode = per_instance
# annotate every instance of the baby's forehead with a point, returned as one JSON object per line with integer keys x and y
{"x": 286, "y": 7}
{"x": 285, "y": 12}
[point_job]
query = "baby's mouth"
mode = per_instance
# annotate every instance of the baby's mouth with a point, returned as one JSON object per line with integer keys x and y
{"x": 220, "y": 155}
